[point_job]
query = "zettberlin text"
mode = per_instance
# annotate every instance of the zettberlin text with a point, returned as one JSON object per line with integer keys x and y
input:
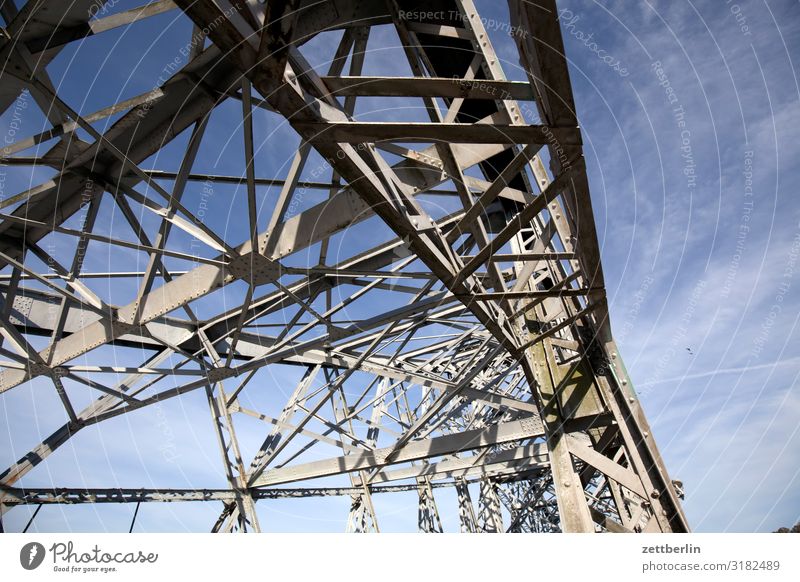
{"x": 667, "y": 549}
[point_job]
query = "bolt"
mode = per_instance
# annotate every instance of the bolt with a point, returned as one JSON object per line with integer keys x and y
{"x": 566, "y": 483}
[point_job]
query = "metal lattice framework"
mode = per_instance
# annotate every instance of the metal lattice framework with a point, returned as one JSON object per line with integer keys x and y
{"x": 470, "y": 349}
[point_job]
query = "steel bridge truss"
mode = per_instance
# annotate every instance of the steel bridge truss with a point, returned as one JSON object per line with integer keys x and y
{"x": 469, "y": 350}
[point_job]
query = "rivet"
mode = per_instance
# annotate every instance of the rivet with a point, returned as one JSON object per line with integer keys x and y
{"x": 566, "y": 483}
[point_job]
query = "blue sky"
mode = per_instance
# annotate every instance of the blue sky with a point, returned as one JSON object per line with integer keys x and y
{"x": 700, "y": 263}
{"x": 696, "y": 216}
